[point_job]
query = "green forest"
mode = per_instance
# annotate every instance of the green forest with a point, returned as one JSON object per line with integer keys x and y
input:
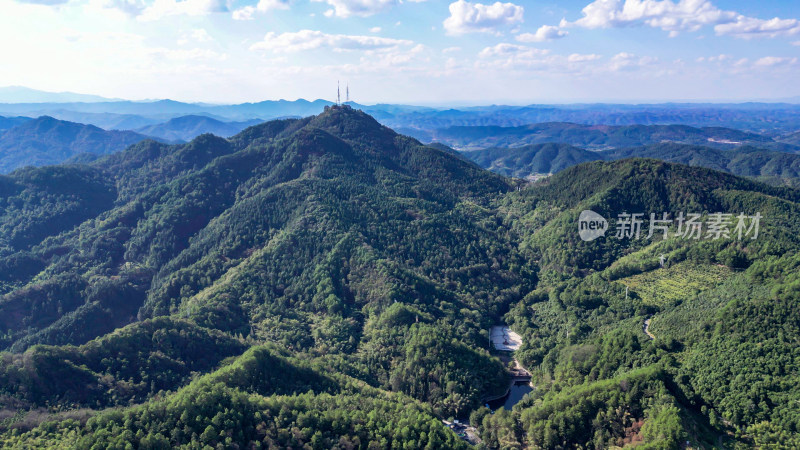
{"x": 328, "y": 283}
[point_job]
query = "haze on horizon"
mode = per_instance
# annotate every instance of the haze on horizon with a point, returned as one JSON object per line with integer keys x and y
{"x": 414, "y": 52}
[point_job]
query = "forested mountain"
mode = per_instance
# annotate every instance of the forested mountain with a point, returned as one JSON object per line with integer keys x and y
{"x": 186, "y": 128}
{"x": 11, "y": 122}
{"x": 598, "y": 137}
{"x": 50, "y": 141}
{"x": 530, "y": 160}
{"x": 793, "y": 138}
{"x": 326, "y": 282}
{"x": 522, "y": 162}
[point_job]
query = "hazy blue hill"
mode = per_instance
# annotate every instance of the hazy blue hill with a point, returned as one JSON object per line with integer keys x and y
{"x": 598, "y": 137}
{"x": 49, "y": 141}
{"x": 19, "y": 94}
{"x": 106, "y": 121}
{"x": 10, "y": 122}
{"x": 791, "y": 139}
{"x": 524, "y": 161}
{"x": 550, "y": 158}
{"x": 186, "y": 128}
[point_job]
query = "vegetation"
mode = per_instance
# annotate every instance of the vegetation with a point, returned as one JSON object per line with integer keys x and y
{"x": 327, "y": 283}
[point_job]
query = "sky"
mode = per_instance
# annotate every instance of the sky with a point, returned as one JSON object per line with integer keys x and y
{"x": 425, "y": 52}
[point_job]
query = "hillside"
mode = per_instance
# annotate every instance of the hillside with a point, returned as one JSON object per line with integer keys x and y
{"x": 10, "y": 122}
{"x": 522, "y": 162}
{"x": 531, "y": 160}
{"x": 47, "y": 140}
{"x": 186, "y": 128}
{"x": 328, "y": 282}
{"x": 598, "y": 137}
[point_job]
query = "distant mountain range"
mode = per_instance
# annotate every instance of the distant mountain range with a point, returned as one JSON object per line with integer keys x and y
{"x": 422, "y": 122}
{"x": 10, "y": 122}
{"x": 186, "y": 128}
{"x": 537, "y": 159}
{"x": 598, "y": 137}
{"x": 19, "y": 94}
{"x": 46, "y": 140}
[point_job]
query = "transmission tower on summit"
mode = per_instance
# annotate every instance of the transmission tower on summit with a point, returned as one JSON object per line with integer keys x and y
{"x": 347, "y": 95}
{"x": 338, "y": 95}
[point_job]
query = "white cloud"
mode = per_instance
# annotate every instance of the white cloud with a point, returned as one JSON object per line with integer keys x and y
{"x": 375, "y": 30}
{"x": 44, "y": 2}
{"x": 247, "y": 12}
{"x": 310, "y": 40}
{"x": 164, "y": 8}
{"x": 451, "y": 50}
{"x": 196, "y": 35}
{"x": 629, "y": 61}
{"x": 466, "y": 17}
{"x": 577, "y": 57}
{"x": 685, "y": 15}
{"x": 796, "y": 43}
{"x": 749, "y": 27}
{"x": 772, "y": 61}
{"x": 680, "y": 15}
{"x": 506, "y": 49}
{"x": 544, "y": 33}
{"x": 129, "y": 8}
{"x": 360, "y": 8}
{"x": 521, "y": 59}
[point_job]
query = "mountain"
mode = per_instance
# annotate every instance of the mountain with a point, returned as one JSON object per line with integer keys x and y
{"x": 791, "y": 139}
{"x": 325, "y": 282}
{"x": 522, "y": 162}
{"x": 186, "y": 128}
{"x": 599, "y": 137}
{"x": 766, "y": 118}
{"x": 743, "y": 161}
{"x": 531, "y": 160}
{"x": 49, "y": 141}
{"x": 329, "y": 235}
{"x": 11, "y": 122}
{"x": 106, "y": 121}
{"x": 19, "y": 94}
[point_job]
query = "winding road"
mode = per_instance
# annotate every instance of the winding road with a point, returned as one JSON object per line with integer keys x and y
{"x": 646, "y": 329}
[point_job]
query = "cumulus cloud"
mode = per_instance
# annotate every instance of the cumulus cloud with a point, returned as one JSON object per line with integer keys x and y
{"x": 526, "y": 59}
{"x": 466, "y": 17}
{"x": 247, "y": 12}
{"x": 749, "y": 27}
{"x": 629, "y": 61}
{"x": 360, "y": 8}
{"x": 506, "y": 49}
{"x": 544, "y": 33}
{"x": 680, "y": 15}
{"x": 577, "y": 57}
{"x": 164, "y": 8}
{"x": 310, "y": 40}
{"x": 45, "y": 2}
{"x": 772, "y": 61}
{"x": 685, "y": 15}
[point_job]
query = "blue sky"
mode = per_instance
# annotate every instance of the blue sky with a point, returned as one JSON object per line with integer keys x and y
{"x": 410, "y": 51}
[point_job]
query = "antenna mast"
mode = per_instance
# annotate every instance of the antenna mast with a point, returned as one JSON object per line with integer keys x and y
{"x": 347, "y": 96}
{"x": 338, "y": 95}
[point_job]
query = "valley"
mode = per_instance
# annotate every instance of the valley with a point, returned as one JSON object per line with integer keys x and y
{"x": 326, "y": 281}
